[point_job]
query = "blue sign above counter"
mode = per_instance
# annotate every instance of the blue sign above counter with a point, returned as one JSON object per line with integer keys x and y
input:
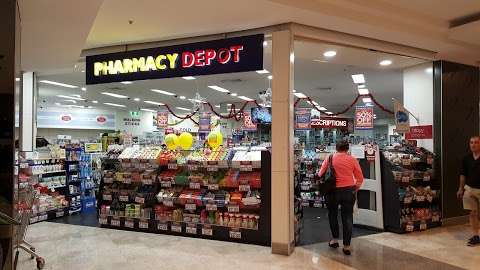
{"x": 239, "y": 54}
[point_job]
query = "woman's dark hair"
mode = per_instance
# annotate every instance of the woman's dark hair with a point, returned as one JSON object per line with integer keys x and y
{"x": 342, "y": 146}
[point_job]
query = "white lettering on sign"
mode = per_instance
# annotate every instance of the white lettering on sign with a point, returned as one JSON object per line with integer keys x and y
{"x": 235, "y": 234}
{"x": 143, "y": 224}
{"x": 162, "y": 226}
{"x": 328, "y": 123}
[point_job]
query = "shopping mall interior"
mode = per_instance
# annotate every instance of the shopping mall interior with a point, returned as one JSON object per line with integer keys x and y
{"x": 126, "y": 158}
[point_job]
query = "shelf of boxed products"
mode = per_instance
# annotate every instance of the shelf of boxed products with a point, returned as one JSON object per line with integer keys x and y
{"x": 48, "y": 205}
{"x": 419, "y": 219}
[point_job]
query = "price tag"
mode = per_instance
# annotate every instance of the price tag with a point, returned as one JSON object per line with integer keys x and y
{"x": 147, "y": 181}
{"x": 176, "y": 228}
{"x": 423, "y": 226}
{"x": 213, "y": 186}
{"x": 115, "y": 222}
{"x": 308, "y": 162}
{"x": 211, "y": 207}
{"x": 192, "y": 167}
{"x": 207, "y": 230}
{"x": 317, "y": 204}
{"x": 107, "y": 197}
{"x": 305, "y": 203}
{"x": 127, "y": 180}
{"x": 212, "y": 168}
{"x": 235, "y": 234}
{"x": 34, "y": 219}
{"x": 435, "y": 218}
{"x": 244, "y": 188}
{"x": 191, "y": 229}
{"x": 407, "y": 200}
{"x": 168, "y": 203}
{"x": 420, "y": 198}
{"x": 123, "y": 198}
{"x": 246, "y": 168}
{"x": 59, "y": 214}
{"x": 194, "y": 185}
{"x": 139, "y": 200}
{"x": 426, "y": 178}
{"x": 103, "y": 220}
{"x": 172, "y": 166}
{"x": 406, "y": 162}
{"x": 233, "y": 208}
{"x": 129, "y": 223}
{"x": 162, "y": 226}
{"x": 409, "y": 227}
{"x": 42, "y": 217}
{"x": 143, "y": 224}
{"x": 405, "y": 179}
{"x": 166, "y": 184}
{"x": 190, "y": 207}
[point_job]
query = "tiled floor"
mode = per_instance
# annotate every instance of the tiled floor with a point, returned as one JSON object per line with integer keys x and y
{"x": 79, "y": 247}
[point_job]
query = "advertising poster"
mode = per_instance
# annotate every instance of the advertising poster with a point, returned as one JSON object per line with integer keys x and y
{"x": 420, "y": 132}
{"x": 330, "y": 123}
{"x": 302, "y": 119}
{"x": 248, "y": 124}
{"x": 364, "y": 117}
{"x": 75, "y": 120}
{"x": 204, "y": 122}
{"x": 162, "y": 119}
{"x": 402, "y": 118}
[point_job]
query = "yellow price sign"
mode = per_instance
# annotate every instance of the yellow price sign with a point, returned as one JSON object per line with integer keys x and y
{"x": 93, "y": 147}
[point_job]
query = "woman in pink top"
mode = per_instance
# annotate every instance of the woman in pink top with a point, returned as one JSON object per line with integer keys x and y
{"x": 349, "y": 178}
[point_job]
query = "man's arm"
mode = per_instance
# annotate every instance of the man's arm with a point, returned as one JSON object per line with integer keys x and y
{"x": 461, "y": 187}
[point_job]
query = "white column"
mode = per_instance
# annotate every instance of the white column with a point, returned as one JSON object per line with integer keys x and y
{"x": 28, "y": 94}
{"x": 282, "y": 143}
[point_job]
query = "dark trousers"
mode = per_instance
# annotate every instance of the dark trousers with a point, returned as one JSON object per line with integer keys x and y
{"x": 345, "y": 197}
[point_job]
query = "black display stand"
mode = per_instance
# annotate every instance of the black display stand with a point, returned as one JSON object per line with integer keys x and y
{"x": 262, "y": 236}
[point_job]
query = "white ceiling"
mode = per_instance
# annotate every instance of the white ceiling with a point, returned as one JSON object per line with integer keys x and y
{"x": 311, "y": 78}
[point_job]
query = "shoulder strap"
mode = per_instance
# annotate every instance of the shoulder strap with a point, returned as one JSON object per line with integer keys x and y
{"x": 330, "y": 160}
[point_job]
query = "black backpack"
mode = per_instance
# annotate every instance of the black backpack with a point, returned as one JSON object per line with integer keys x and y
{"x": 327, "y": 182}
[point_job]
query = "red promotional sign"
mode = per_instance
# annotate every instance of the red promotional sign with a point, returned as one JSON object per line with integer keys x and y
{"x": 66, "y": 117}
{"x": 330, "y": 122}
{"x": 364, "y": 117}
{"x": 248, "y": 123}
{"x": 101, "y": 119}
{"x": 162, "y": 119}
{"x": 420, "y": 132}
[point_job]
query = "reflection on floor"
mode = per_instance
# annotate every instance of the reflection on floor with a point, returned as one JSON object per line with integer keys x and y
{"x": 80, "y": 247}
{"x": 317, "y": 230}
{"x": 85, "y": 219}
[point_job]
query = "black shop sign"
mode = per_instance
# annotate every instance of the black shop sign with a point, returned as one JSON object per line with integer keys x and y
{"x": 238, "y": 54}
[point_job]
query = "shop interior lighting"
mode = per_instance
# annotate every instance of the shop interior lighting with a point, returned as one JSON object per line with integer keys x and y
{"x": 163, "y": 92}
{"x": 58, "y": 84}
{"x": 367, "y": 100}
{"x": 329, "y": 53}
{"x": 189, "y": 78}
{"x": 84, "y": 89}
{"x": 219, "y": 89}
{"x": 429, "y": 70}
{"x": 114, "y": 95}
{"x": 362, "y": 86}
{"x": 70, "y": 97}
{"x": 115, "y": 105}
{"x": 71, "y": 101}
{"x": 217, "y": 106}
{"x": 126, "y": 82}
{"x": 358, "y": 78}
{"x": 17, "y": 79}
{"x": 328, "y": 112}
{"x": 183, "y": 109}
{"x": 270, "y": 77}
{"x": 322, "y": 108}
{"x": 196, "y": 100}
{"x": 147, "y": 110}
{"x": 234, "y": 94}
{"x": 245, "y": 98}
{"x": 265, "y": 44}
{"x": 300, "y": 95}
{"x": 182, "y": 97}
{"x": 294, "y": 91}
{"x": 154, "y": 103}
{"x": 76, "y": 95}
{"x": 263, "y": 71}
{"x": 136, "y": 99}
{"x": 94, "y": 101}
{"x": 363, "y": 91}
{"x": 385, "y": 62}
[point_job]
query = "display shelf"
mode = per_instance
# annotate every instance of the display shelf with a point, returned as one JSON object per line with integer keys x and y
{"x": 49, "y": 215}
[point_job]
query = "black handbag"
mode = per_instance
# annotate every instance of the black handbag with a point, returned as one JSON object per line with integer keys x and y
{"x": 327, "y": 182}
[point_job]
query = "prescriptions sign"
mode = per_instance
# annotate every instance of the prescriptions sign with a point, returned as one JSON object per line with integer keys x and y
{"x": 238, "y": 54}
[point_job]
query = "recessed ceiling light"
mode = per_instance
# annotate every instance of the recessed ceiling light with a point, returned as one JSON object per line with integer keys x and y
{"x": 329, "y": 53}
{"x": 70, "y": 97}
{"x": 58, "y": 84}
{"x": 154, "y": 103}
{"x": 363, "y": 91}
{"x": 320, "y": 60}
{"x": 300, "y": 95}
{"x": 70, "y": 100}
{"x": 83, "y": 71}
{"x": 114, "y": 104}
{"x": 270, "y": 77}
{"x": 322, "y": 109}
{"x": 136, "y": 99}
{"x": 183, "y": 109}
{"x": 234, "y": 94}
{"x": 94, "y": 101}
{"x": 362, "y": 86}
{"x": 147, "y": 110}
{"x": 328, "y": 112}
{"x": 58, "y": 104}
{"x": 182, "y": 97}
{"x": 358, "y": 78}
{"x": 126, "y": 82}
{"x": 245, "y": 98}
{"x": 76, "y": 95}
{"x": 366, "y": 100}
{"x": 263, "y": 71}
{"x": 429, "y": 70}
{"x": 265, "y": 43}
{"x": 163, "y": 92}
{"x": 84, "y": 89}
{"x": 217, "y": 106}
{"x": 218, "y": 88}
{"x": 114, "y": 95}
{"x": 17, "y": 79}
{"x": 188, "y": 78}
{"x": 385, "y": 62}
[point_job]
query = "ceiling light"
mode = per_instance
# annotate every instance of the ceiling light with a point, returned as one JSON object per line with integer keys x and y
{"x": 84, "y": 89}
{"x": 70, "y": 100}
{"x": 358, "y": 78}
{"x": 147, "y": 110}
{"x": 217, "y": 106}
{"x": 183, "y": 109}
{"x": 136, "y": 99}
{"x": 218, "y": 88}
{"x": 320, "y": 60}
{"x": 245, "y": 98}
{"x": 188, "y": 78}
{"x": 58, "y": 84}
{"x": 154, "y": 103}
{"x": 126, "y": 82}
{"x": 114, "y": 95}
{"x": 300, "y": 95}
{"x": 17, "y": 79}
{"x": 270, "y": 77}
{"x": 163, "y": 92}
{"x": 182, "y": 97}
{"x": 58, "y": 104}
{"x": 76, "y": 96}
{"x": 367, "y": 100}
{"x": 363, "y": 91}
{"x": 94, "y": 101}
{"x": 362, "y": 86}
{"x": 328, "y": 112}
{"x": 70, "y": 97}
{"x": 83, "y": 71}
{"x": 234, "y": 94}
{"x": 263, "y": 71}
{"x": 386, "y": 63}
{"x": 329, "y": 53}
{"x": 429, "y": 70}
{"x": 292, "y": 57}
{"x": 114, "y": 104}
{"x": 265, "y": 43}
{"x": 322, "y": 109}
